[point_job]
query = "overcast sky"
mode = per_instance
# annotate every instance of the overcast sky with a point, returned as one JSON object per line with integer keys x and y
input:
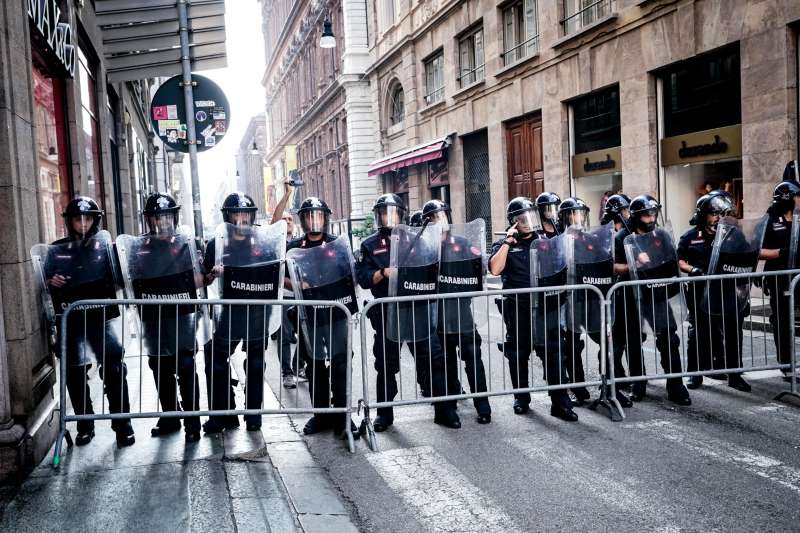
{"x": 241, "y": 82}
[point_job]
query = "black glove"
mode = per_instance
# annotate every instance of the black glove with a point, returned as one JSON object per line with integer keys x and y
{"x": 696, "y": 271}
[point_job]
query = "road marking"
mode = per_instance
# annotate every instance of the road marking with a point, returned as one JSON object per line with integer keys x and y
{"x": 750, "y": 460}
{"x": 628, "y": 496}
{"x": 442, "y": 498}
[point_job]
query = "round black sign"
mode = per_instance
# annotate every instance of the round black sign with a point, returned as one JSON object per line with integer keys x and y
{"x": 211, "y": 114}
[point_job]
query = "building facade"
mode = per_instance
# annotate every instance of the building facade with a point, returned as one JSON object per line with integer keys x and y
{"x": 478, "y": 101}
{"x": 319, "y": 116}
{"x": 254, "y": 179}
{"x": 65, "y": 132}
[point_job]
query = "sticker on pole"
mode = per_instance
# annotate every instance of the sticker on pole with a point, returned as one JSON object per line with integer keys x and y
{"x": 211, "y": 112}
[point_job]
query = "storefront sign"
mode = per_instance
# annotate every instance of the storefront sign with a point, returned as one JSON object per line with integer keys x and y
{"x": 596, "y": 163}
{"x": 45, "y": 15}
{"x": 709, "y": 145}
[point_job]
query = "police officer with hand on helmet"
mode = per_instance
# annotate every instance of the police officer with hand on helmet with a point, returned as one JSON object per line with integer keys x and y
{"x": 777, "y": 250}
{"x": 510, "y": 259}
{"x": 80, "y": 253}
{"x": 373, "y": 273}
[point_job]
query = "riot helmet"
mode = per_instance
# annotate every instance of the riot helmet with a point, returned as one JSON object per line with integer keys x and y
{"x": 644, "y": 213}
{"x": 161, "y": 213}
{"x": 786, "y": 196}
{"x": 522, "y": 212}
{"x": 238, "y": 202}
{"x": 437, "y": 212}
{"x": 314, "y": 215}
{"x": 573, "y": 212}
{"x": 415, "y": 220}
{"x": 547, "y": 204}
{"x": 389, "y": 211}
{"x": 791, "y": 172}
{"x": 710, "y": 208}
{"x": 82, "y": 217}
{"x": 617, "y": 209}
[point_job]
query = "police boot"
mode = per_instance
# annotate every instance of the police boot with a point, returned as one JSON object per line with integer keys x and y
{"x": 677, "y": 393}
{"x": 85, "y": 433}
{"x": 340, "y": 433}
{"x": 447, "y": 418}
{"x": 581, "y": 395}
{"x": 639, "y": 391}
{"x": 736, "y": 381}
{"x": 521, "y": 407}
{"x": 623, "y": 400}
{"x": 317, "y": 424}
{"x": 217, "y": 424}
{"x": 124, "y": 434}
{"x": 564, "y": 413}
{"x": 166, "y": 426}
{"x": 695, "y": 382}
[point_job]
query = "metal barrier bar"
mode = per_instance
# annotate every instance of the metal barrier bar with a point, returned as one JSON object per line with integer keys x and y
{"x": 548, "y": 342}
{"x": 200, "y": 308}
{"x": 792, "y": 392}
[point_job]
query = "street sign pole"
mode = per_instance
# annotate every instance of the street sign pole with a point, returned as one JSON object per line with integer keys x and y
{"x": 191, "y": 133}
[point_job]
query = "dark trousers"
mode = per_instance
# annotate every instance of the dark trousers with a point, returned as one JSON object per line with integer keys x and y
{"x": 714, "y": 342}
{"x": 626, "y": 333}
{"x": 467, "y": 346}
{"x": 171, "y": 358}
{"x": 783, "y": 331}
{"x": 285, "y": 336}
{"x": 322, "y": 346}
{"x": 218, "y": 374}
{"x": 113, "y": 372}
{"x": 668, "y": 344}
{"x": 428, "y": 357}
{"x": 537, "y": 329}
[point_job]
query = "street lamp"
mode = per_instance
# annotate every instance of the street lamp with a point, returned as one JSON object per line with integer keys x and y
{"x": 327, "y": 40}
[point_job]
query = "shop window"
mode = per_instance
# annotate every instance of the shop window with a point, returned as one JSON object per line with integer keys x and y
{"x": 54, "y": 189}
{"x": 87, "y": 77}
{"x": 581, "y": 13}
{"x": 434, "y": 79}
{"x": 596, "y": 120}
{"x": 520, "y": 31}
{"x": 470, "y": 58}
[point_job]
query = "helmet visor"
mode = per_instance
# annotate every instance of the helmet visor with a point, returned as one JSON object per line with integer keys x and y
{"x": 162, "y": 225}
{"x": 549, "y": 211}
{"x": 625, "y": 213}
{"x": 526, "y": 222}
{"x": 389, "y": 216}
{"x": 240, "y": 218}
{"x": 440, "y": 217}
{"x": 577, "y": 217}
{"x": 315, "y": 221}
{"x": 720, "y": 206}
{"x": 81, "y": 225}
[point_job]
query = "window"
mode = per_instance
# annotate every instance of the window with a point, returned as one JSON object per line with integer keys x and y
{"x": 520, "y": 31}
{"x": 434, "y": 79}
{"x": 91, "y": 128}
{"x": 397, "y": 108}
{"x": 470, "y": 58}
{"x": 387, "y": 13}
{"x": 580, "y": 13}
{"x": 596, "y": 120}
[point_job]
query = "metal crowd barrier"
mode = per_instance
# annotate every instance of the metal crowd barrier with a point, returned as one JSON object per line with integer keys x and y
{"x": 143, "y": 388}
{"x": 576, "y": 368}
{"x": 716, "y": 320}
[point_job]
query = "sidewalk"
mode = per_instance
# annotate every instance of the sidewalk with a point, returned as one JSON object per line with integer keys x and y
{"x": 236, "y": 481}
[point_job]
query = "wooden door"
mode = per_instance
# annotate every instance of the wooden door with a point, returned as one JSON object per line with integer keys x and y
{"x": 525, "y": 162}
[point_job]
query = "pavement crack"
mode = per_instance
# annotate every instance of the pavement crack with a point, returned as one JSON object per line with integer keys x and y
{"x": 230, "y": 499}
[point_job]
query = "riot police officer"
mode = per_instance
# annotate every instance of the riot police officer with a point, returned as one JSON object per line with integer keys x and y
{"x": 616, "y": 210}
{"x": 69, "y": 267}
{"x": 547, "y": 204}
{"x": 169, "y": 332}
{"x": 457, "y": 331}
{"x": 373, "y": 271}
{"x": 247, "y": 255}
{"x": 322, "y": 335}
{"x": 653, "y": 303}
{"x": 511, "y": 260}
{"x": 777, "y": 250}
{"x": 415, "y": 220}
{"x": 710, "y": 338}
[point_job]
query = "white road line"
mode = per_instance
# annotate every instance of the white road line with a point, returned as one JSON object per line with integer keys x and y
{"x": 441, "y": 497}
{"x": 750, "y": 460}
{"x": 626, "y": 495}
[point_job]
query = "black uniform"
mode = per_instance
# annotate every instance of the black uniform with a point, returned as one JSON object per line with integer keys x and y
{"x": 327, "y": 387}
{"x": 169, "y": 334}
{"x": 427, "y": 353}
{"x": 459, "y": 260}
{"x": 84, "y": 329}
{"x": 248, "y": 324}
{"x": 777, "y": 237}
{"x": 626, "y": 332}
{"x": 519, "y": 316}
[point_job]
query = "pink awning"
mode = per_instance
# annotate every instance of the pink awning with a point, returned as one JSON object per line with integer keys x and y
{"x": 410, "y": 156}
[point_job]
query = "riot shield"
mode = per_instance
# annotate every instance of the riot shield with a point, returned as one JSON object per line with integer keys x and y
{"x": 590, "y": 256}
{"x": 653, "y": 256}
{"x": 462, "y": 269}
{"x": 794, "y": 237}
{"x": 414, "y": 270}
{"x": 548, "y": 269}
{"x": 164, "y": 266}
{"x": 325, "y": 272}
{"x": 251, "y": 258}
{"x": 78, "y": 270}
{"x": 737, "y": 244}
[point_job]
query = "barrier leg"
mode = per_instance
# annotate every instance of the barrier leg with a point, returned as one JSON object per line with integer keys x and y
{"x": 608, "y": 391}
{"x": 366, "y": 429}
{"x": 792, "y": 392}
